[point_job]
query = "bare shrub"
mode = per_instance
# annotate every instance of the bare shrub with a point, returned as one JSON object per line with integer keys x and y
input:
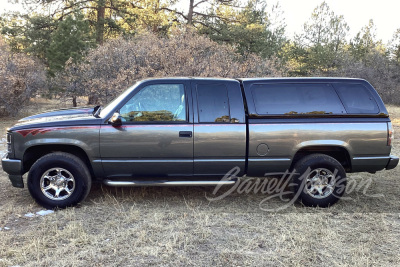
{"x": 114, "y": 66}
{"x": 381, "y": 72}
{"x": 20, "y": 78}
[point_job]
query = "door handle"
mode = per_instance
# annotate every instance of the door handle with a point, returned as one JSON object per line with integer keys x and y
{"x": 185, "y": 133}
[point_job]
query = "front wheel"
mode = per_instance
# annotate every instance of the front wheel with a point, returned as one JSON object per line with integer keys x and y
{"x": 320, "y": 180}
{"x": 59, "y": 180}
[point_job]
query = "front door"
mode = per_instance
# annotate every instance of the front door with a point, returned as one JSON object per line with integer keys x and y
{"x": 155, "y": 138}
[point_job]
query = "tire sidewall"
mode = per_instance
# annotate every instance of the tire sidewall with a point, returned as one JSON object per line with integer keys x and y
{"x": 59, "y": 160}
{"x": 307, "y": 165}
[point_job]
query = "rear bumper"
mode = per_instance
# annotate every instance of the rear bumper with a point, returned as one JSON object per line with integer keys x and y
{"x": 393, "y": 161}
{"x": 14, "y": 169}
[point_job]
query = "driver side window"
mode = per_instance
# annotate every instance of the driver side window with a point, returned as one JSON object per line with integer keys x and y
{"x": 159, "y": 102}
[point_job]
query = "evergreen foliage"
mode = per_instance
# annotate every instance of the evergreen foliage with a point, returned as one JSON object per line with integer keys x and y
{"x": 96, "y": 48}
{"x": 71, "y": 39}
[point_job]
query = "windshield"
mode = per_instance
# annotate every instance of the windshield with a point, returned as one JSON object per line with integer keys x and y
{"x": 108, "y": 108}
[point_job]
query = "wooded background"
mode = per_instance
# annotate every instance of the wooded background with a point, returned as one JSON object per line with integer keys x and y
{"x": 97, "y": 48}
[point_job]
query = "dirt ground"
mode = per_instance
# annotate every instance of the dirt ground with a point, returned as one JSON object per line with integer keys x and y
{"x": 180, "y": 227}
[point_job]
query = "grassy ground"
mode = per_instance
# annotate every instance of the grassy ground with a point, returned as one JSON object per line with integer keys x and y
{"x": 179, "y": 226}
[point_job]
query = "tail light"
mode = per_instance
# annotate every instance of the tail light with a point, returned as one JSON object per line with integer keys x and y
{"x": 9, "y": 143}
{"x": 8, "y": 137}
{"x": 390, "y": 135}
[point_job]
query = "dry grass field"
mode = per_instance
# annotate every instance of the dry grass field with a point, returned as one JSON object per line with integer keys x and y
{"x": 180, "y": 227}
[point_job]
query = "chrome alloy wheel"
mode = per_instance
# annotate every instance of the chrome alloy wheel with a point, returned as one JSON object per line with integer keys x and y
{"x": 320, "y": 183}
{"x": 57, "y": 184}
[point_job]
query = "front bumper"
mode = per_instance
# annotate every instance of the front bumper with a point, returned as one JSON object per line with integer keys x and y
{"x": 393, "y": 161}
{"x": 14, "y": 169}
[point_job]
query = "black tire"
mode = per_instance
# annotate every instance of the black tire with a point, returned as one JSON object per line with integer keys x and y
{"x": 60, "y": 172}
{"x": 320, "y": 180}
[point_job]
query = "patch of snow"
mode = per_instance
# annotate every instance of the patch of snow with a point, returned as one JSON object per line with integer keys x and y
{"x": 39, "y": 213}
{"x": 30, "y": 215}
{"x": 44, "y": 212}
{"x": 6, "y": 228}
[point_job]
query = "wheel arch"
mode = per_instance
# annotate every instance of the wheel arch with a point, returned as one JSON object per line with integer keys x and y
{"x": 341, "y": 154}
{"x": 33, "y": 153}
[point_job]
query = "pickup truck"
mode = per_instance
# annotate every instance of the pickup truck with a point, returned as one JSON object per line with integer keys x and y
{"x": 193, "y": 131}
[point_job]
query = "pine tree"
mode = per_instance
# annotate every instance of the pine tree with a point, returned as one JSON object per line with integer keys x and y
{"x": 394, "y": 47}
{"x": 366, "y": 43}
{"x": 322, "y": 41}
{"x": 72, "y": 39}
{"x": 28, "y": 33}
{"x": 250, "y": 29}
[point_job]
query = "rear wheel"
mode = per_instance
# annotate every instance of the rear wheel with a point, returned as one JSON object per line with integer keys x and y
{"x": 59, "y": 180}
{"x": 320, "y": 180}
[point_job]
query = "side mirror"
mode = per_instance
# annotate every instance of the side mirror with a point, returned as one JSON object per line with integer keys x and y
{"x": 116, "y": 119}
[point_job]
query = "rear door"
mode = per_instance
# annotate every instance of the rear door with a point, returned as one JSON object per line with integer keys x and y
{"x": 219, "y": 127}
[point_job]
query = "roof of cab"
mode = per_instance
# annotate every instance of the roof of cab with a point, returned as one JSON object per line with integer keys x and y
{"x": 189, "y": 79}
{"x": 264, "y": 79}
{"x": 302, "y": 79}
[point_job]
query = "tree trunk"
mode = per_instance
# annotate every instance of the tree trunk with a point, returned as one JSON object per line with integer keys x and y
{"x": 101, "y": 10}
{"x": 190, "y": 13}
{"x": 93, "y": 99}
{"x": 74, "y": 104}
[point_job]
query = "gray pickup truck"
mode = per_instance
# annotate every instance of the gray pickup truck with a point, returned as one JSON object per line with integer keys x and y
{"x": 193, "y": 131}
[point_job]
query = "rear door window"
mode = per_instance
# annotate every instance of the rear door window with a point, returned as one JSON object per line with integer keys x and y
{"x": 292, "y": 98}
{"x": 357, "y": 99}
{"x": 213, "y": 103}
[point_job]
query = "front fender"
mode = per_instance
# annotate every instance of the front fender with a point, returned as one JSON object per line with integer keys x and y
{"x": 84, "y": 137}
